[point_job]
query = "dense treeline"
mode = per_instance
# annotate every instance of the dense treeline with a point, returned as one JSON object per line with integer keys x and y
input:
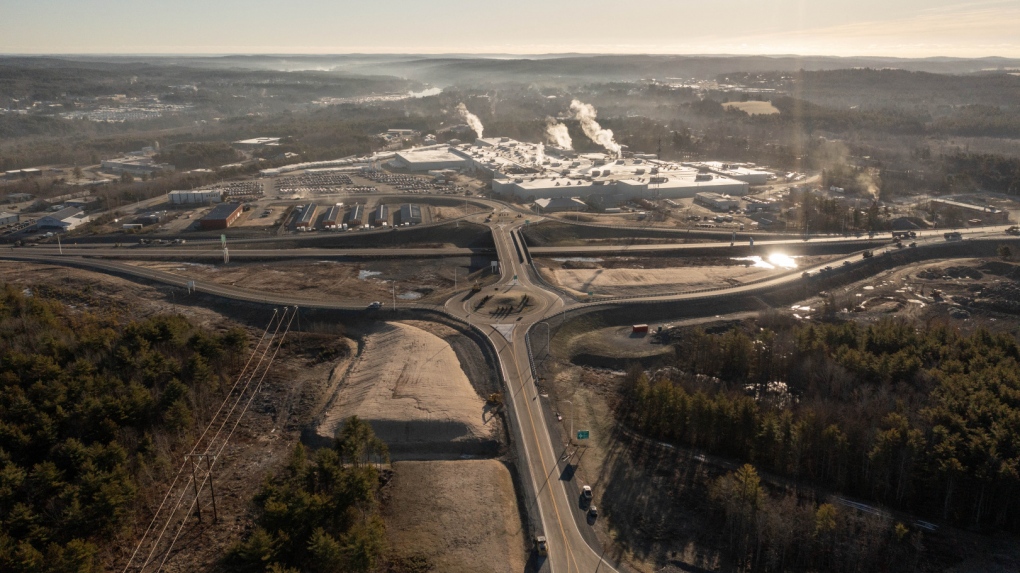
{"x": 766, "y": 532}
{"x": 989, "y": 172}
{"x": 320, "y": 516}
{"x": 90, "y": 408}
{"x": 923, "y": 418}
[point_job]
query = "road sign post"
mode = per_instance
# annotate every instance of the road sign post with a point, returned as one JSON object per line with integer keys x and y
{"x": 582, "y": 434}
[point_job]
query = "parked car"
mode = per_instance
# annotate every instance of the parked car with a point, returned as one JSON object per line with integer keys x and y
{"x": 586, "y": 492}
{"x": 375, "y": 306}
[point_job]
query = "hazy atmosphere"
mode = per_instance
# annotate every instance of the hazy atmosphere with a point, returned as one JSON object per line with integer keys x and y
{"x": 906, "y": 28}
{"x": 450, "y": 286}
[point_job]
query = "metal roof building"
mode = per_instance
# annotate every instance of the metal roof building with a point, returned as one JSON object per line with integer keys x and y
{"x": 381, "y": 215}
{"x": 307, "y": 218}
{"x": 64, "y": 219}
{"x": 332, "y": 216}
{"x": 357, "y": 216}
{"x": 410, "y": 213}
{"x": 221, "y": 217}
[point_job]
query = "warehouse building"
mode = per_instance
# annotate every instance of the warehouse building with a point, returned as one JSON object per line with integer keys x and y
{"x": 985, "y": 213}
{"x": 716, "y": 201}
{"x": 381, "y": 216}
{"x": 332, "y": 217}
{"x": 135, "y": 166}
{"x": 737, "y": 171}
{"x": 306, "y": 220}
{"x": 221, "y": 217}
{"x": 200, "y": 197}
{"x": 356, "y": 217}
{"x": 8, "y": 218}
{"x": 65, "y": 219}
{"x": 428, "y": 159}
{"x": 410, "y": 214}
{"x": 560, "y": 204}
{"x": 256, "y": 143}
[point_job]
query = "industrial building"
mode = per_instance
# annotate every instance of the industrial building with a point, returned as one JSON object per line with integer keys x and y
{"x": 533, "y": 171}
{"x": 307, "y": 218}
{"x": 429, "y": 158}
{"x": 8, "y": 218}
{"x": 22, "y": 173}
{"x": 381, "y": 216}
{"x": 410, "y": 214}
{"x": 560, "y": 204}
{"x": 332, "y": 217}
{"x": 737, "y": 171}
{"x": 356, "y": 217}
{"x": 256, "y": 143}
{"x": 198, "y": 197}
{"x": 986, "y": 213}
{"x": 65, "y": 219}
{"x": 221, "y": 217}
{"x": 716, "y": 201}
{"x": 134, "y": 166}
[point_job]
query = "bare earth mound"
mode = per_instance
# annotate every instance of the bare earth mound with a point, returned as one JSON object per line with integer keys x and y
{"x": 457, "y": 515}
{"x": 409, "y": 385}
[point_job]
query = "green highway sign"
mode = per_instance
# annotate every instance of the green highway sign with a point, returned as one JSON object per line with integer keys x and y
{"x": 582, "y": 434}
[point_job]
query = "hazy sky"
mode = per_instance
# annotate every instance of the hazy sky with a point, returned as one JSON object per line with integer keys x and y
{"x": 905, "y": 28}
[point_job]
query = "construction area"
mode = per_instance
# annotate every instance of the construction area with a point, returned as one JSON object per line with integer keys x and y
{"x": 421, "y": 404}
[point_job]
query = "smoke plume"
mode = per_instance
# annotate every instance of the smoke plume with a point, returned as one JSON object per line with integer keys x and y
{"x": 471, "y": 119}
{"x": 539, "y": 154}
{"x": 585, "y": 113}
{"x": 558, "y": 134}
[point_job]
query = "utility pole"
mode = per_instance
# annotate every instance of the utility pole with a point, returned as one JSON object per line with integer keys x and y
{"x": 209, "y": 461}
{"x": 59, "y": 247}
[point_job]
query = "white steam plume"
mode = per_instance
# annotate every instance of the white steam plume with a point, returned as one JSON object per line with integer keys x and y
{"x": 585, "y": 113}
{"x": 539, "y": 154}
{"x": 471, "y": 119}
{"x": 558, "y": 134}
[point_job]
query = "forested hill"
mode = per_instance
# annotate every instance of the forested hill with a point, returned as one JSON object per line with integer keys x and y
{"x": 921, "y": 417}
{"x": 90, "y": 408}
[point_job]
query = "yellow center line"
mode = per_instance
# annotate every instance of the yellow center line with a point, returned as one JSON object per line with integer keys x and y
{"x": 545, "y": 470}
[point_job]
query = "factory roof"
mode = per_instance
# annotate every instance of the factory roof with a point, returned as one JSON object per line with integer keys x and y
{"x": 428, "y": 155}
{"x": 222, "y": 211}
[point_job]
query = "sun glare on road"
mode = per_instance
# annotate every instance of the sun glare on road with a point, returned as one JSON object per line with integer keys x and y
{"x": 773, "y": 261}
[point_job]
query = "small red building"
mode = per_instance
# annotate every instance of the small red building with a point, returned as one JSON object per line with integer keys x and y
{"x": 221, "y": 217}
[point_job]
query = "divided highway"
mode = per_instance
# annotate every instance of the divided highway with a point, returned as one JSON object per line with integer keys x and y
{"x": 552, "y": 501}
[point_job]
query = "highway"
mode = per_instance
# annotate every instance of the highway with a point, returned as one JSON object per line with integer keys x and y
{"x": 559, "y": 512}
{"x": 553, "y": 502}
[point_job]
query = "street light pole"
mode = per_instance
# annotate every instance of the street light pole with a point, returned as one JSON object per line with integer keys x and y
{"x": 570, "y": 437}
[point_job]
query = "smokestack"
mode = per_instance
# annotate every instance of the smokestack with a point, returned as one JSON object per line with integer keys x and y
{"x": 558, "y": 134}
{"x": 585, "y": 113}
{"x": 471, "y": 119}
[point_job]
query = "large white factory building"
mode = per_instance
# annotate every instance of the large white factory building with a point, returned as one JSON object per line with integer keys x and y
{"x": 534, "y": 171}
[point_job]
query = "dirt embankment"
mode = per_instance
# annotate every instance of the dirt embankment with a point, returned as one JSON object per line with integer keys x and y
{"x": 454, "y": 516}
{"x": 409, "y": 385}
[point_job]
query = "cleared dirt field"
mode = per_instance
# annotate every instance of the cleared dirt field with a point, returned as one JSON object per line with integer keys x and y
{"x": 344, "y": 281}
{"x": 615, "y": 282}
{"x": 409, "y": 385}
{"x": 454, "y": 516}
{"x": 752, "y": 107}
